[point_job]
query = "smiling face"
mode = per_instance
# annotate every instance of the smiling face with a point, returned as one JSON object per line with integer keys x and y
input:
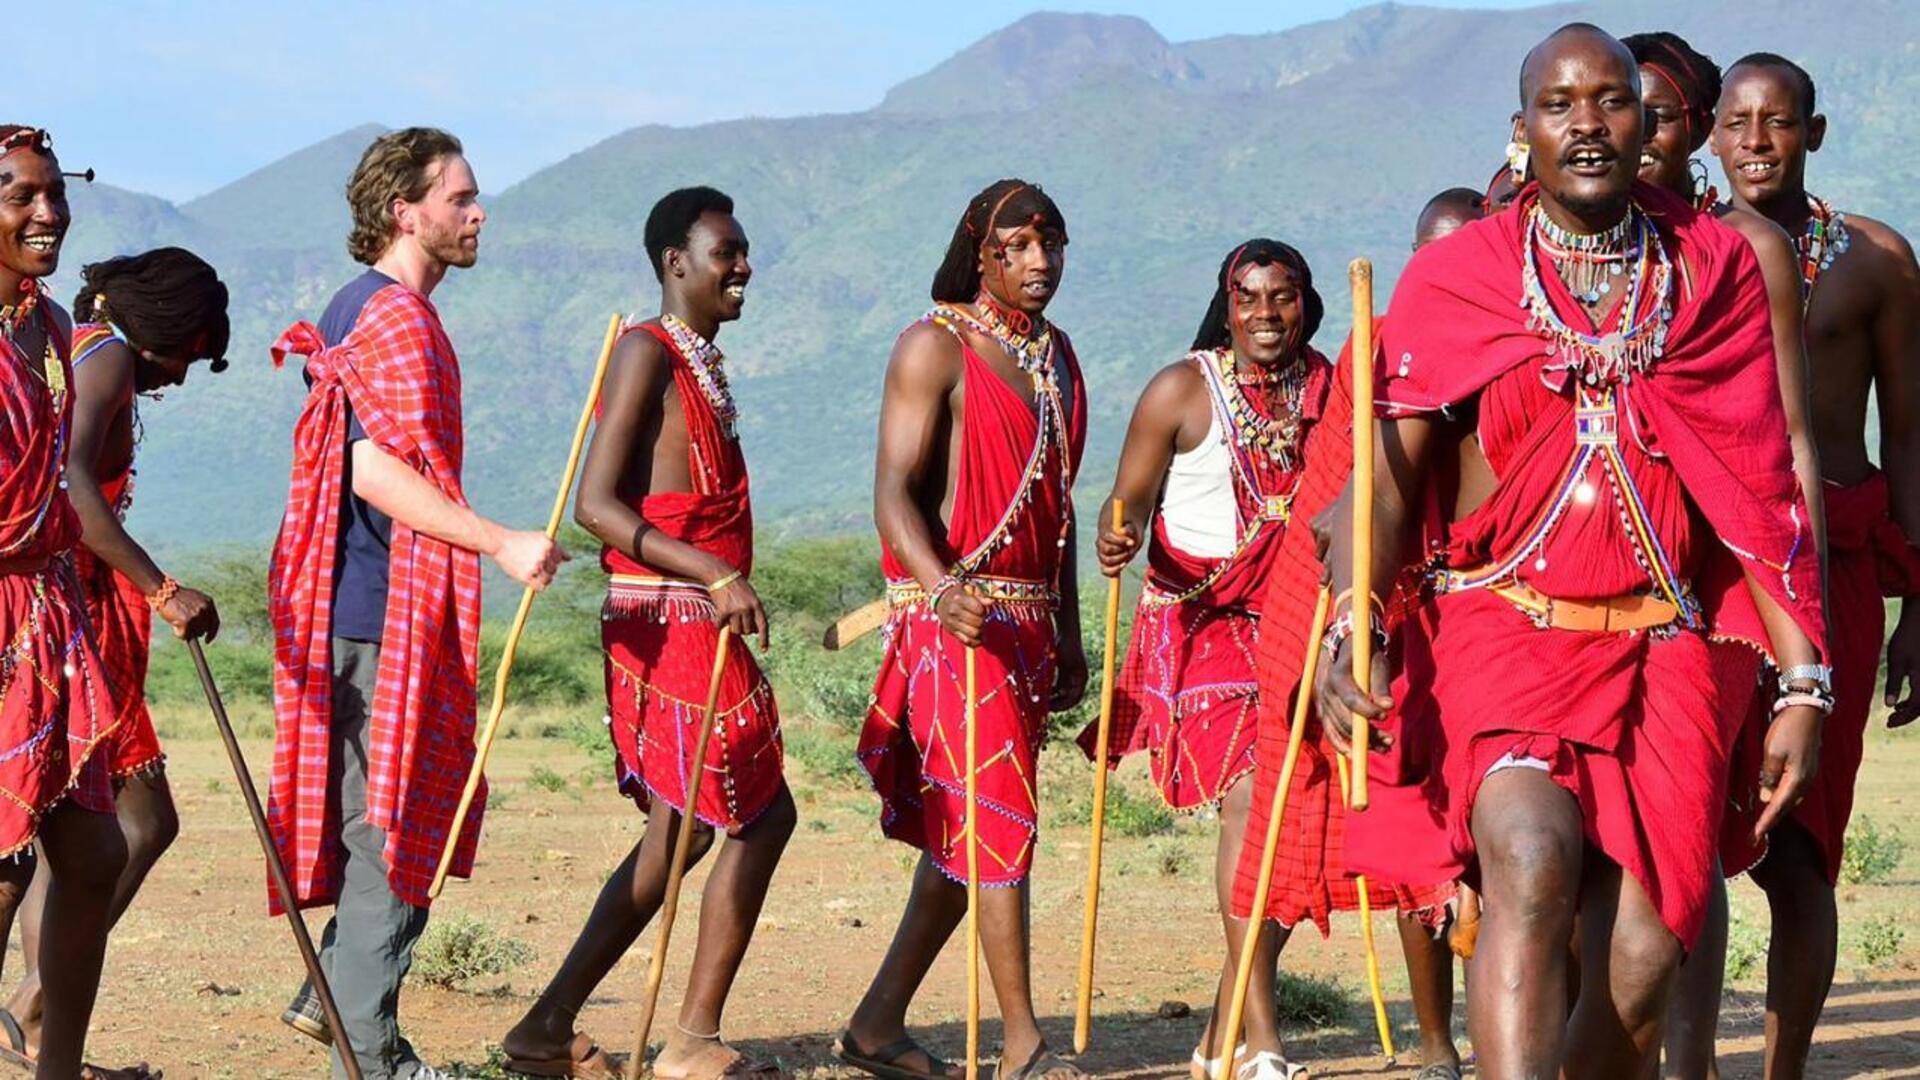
{"x": 1021, "y": 267}
{"x": 1265, "y": 313}
{"x": 1670, "y": 144}
{"x": 1583, "y": 121}
{"x": 34, "y": 215}
{"x": 1762, "y": 135}
{"x": 711, "y": 273}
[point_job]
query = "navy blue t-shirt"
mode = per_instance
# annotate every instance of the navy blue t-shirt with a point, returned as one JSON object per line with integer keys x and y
{"x": 360, "y": 568}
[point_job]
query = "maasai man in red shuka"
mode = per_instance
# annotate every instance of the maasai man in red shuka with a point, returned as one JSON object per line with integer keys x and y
{"x": 1595, "y": 369}
{"x": 144, "y": 320}
{"x": 1860, "y": 287}
{"x": 1211, "y": 463}
{"x": 374, "y": 592}
{"x": 55, "y": 697}
{"x": 665, "y": 489}
{"x": 1680, "y": 86}
{"x": 981, "y": 430}
{"x": 1310, "y": 879}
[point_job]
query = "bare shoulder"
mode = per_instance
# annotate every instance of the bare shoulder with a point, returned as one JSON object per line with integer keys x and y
{"x": 1880, "y": 238}
{"x": 639, "y": 351}
{"x": 61, "y": 320}
{"x": 925, "y": 354}
{"x": 1761, "y": 232}
{"x": 1177, "y": 383}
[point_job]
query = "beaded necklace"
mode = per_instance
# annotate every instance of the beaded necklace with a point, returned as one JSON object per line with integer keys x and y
{"x": 1823, "y": 240}
{"x": 1276, "y": 434}
{"x": 1030, "y": 351}
{"x": 1587, "y": 263}
{"x": 15, "y": 316}
{"x": 706, "y": 361}
{"x": 1643, "y": 313}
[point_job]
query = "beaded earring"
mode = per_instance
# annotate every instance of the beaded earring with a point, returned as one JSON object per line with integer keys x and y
{"x": 1519, "y": 160}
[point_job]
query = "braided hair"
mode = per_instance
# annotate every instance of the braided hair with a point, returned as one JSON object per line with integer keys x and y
{"x": 167, "y": 301}
{"x": 1215, "y": 333}
{"x": 1692, "y": 74}
{"x": 1009, "y": 203}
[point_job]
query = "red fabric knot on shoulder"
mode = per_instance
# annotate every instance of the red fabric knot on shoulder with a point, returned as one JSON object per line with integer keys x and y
{"x": 301, "y": 339}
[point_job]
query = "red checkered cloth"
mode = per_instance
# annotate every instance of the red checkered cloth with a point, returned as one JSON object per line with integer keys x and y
{"x": 118, "y": 611}
{"x": 397, "y": 372}
{"x": 1310, "y": 879}
{"x": 54, "y": 705}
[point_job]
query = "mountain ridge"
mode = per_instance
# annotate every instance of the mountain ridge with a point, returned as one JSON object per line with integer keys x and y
{"x": 1329, "y": 135}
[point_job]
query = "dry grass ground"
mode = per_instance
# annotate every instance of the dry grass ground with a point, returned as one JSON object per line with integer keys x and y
{"x": 197, "y": 973}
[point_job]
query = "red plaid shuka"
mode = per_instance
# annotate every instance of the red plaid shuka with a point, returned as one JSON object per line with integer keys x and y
{"x": 118, "y": 612}
{"x": 398, "y": 372}
{"x": 1310, "y": 878}
{"x": 54, "y": 706}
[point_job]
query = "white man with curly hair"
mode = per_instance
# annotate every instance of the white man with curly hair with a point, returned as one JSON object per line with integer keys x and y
{"x": 374, "y": 593}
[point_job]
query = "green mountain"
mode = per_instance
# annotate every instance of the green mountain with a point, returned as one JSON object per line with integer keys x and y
{"x": 1162, "y": 154}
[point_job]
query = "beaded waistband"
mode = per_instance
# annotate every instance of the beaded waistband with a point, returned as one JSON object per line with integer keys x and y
{"x": 1000, "y": 590}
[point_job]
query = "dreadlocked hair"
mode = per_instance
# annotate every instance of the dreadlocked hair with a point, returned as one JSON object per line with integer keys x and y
{"x": 1010, "y": 203}
{"x": 1214, "y": 332}
{"x": 162, "y": 301}
{"x": 1693, "y": 74}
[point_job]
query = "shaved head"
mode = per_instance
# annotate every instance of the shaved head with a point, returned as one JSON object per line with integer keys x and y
{"x": 1537, "y": 57}
{"x": 1447, "y": 213}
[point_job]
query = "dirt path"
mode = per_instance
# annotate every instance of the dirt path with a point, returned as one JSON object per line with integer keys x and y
{"x": 197, "y": 974}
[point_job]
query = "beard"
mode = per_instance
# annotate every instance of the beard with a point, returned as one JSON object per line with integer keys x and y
{"x": 445, "y": 245}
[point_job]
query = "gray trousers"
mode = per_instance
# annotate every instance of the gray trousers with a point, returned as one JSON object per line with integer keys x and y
{"x": 368, "y": 944}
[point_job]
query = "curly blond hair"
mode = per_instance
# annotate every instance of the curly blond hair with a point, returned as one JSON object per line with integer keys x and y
{"x": 399, "y": 165}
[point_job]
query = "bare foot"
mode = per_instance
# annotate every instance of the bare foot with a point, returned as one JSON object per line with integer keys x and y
{"x": 687, "y": 1058}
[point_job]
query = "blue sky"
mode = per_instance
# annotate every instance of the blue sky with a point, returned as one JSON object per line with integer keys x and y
{"x": 178, "y": 98}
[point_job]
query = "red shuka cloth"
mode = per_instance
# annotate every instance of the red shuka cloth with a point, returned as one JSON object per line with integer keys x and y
{"x": 118, "y": 611}
{"x": 914, "y": 742}
{"x": 660, "y": 639}
{"x": 1310, "y": 879}
{"x": 1186, "y": 693}
{"x": 1868, "y": 557}
{"x": 398, "y": 373}
{"x": 55, "y": 708}
{"x": 1632, "y": 724}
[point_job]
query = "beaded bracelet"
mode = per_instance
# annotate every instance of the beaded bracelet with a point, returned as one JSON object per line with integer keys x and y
{"x": 168, "y": 589}
{"x": 1340, "y": 629}
{"x": 1822, "y": 702}
{"x": 947, "y": 583}
{"x": 725, "y": 580}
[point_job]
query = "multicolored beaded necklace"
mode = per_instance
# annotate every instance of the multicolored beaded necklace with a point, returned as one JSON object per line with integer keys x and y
{"x": 1277, "y": 433}
{"x": 1643, "y": 313}
{"x": 1823, "y": 240}
{"x": 1587, "y": 263}
{"x": 1029, "y": 350}
{"x": 707, "y": 362}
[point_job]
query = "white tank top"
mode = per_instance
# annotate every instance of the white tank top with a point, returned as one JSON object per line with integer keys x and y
{"x": 1198, "y": 507}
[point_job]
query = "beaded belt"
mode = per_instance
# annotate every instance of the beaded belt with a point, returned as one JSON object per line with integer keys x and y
{"x": 1608, "y": 615}
{"x": 998, "y": 589}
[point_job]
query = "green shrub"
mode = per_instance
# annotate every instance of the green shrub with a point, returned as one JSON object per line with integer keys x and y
{"x": 1871, "y": 853}
{"x": 823, "y": 752}
{"x": 1171, "y": 858}
{"x": 1314, "y": 1000}
{"x": 1127, "y": 814}
{"x": 1746, "y": 948}
{"x": 459, "y": 948}
{"x": 1878, "y": 939}
{"x": 545, "y": 779}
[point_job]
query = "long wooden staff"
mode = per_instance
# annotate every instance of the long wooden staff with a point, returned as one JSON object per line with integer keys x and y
{"x": 1263, "y": 885}
{"x": 682, "y": 844}
{"x": 485, "y": 745}
{"x": 1360, "y": 277}
{"x": 1083, "y": 1015}
{"x": 973, "y": 873}
{"x": 275, "y": 868}
{"x": 1373, "y": 957}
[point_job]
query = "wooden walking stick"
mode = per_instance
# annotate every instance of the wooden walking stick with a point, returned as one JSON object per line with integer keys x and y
{"x": 1360, "y": 277}
{"x": 682, "y": 843}
{"x": 973, "y": 874}
{"x": 275, "y": 868}
{"x": 1263, "y": 885}
{"x": 1083, "y": 1015}
{"x": 485, "y": 745}
{"x": 1373, "y": 957}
